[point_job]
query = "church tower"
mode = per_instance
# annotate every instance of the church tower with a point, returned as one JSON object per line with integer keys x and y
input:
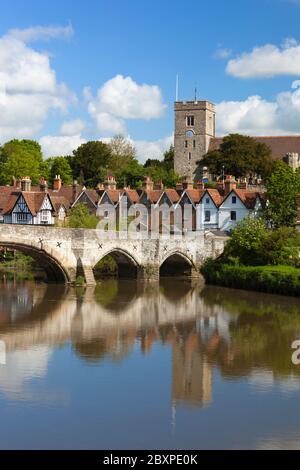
{"x": 194, "y": 127}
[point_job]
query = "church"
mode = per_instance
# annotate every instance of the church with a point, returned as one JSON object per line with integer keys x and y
{"x": 195, "y": 135}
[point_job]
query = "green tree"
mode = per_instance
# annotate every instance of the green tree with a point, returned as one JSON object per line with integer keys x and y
{"x": 80, "y": 217}
{"x": 282, "y": 190}
{"x": 20, "y": 158}
{"x": 59, "y": 166}
{"x": 168, "y": 161}
{"x": 91, "y": 162}
{"x": 245, "y": 243}
{"x": 240, "y": 155}
{"x": 130, "y": 175}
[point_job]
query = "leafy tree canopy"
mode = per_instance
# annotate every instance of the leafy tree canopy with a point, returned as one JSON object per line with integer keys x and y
{"x": 240, "y": 155}
{"x": 20, "y": 158}
{"x": 282, "y": 190}
{"x": 91, "y": 162}
{"x": 59, "y": 166}
{"x": 252, "y": 243}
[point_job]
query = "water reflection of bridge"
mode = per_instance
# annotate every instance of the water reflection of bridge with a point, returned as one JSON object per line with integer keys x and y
{"x": 203, "y": 329}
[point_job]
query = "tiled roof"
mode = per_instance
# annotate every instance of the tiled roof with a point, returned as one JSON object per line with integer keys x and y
{"x": 248, "y": 197}
{"x": 280, "y": 145}
{"x": 132, "y": 195}
{"x": 113, "y": 194}
{"x": 195, "y": 194}
{"x": 154, "y": 195}
{"x": 172, "y": 195}
{"x": 34, "y": 201}
{"x": 59, "y": 201}
{"x": 215, "y": 195}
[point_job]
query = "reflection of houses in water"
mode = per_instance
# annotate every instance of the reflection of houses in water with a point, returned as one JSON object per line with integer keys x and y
{"x": 109, "y": 321}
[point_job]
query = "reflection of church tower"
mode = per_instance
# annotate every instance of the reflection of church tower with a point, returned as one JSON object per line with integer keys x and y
{"x": 192, "y": 375}
{"x": 194, "y": 127}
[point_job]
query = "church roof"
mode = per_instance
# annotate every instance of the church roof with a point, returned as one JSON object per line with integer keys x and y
{"x": 280, "y": 145}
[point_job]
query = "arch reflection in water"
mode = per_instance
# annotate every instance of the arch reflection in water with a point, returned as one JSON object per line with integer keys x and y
{"x": 240, "y": 334}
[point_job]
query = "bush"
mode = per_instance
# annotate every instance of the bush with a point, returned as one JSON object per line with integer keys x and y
{"x": 80, "y": 217}
{"x": 252, "y": 243}
{"x": 283, "y": 280}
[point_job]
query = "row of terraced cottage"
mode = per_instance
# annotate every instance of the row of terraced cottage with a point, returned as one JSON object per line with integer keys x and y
{"x": 214, "y": 209}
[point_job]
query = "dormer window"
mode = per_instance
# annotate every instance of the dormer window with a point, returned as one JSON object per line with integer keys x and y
{"x": 190, "y": 121}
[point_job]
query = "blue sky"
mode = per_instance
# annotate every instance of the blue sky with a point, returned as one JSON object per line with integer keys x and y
{"x": 72, "y": 70}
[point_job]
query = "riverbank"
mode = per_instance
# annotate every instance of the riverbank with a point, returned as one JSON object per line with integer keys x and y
{"x": 284, "y": 280}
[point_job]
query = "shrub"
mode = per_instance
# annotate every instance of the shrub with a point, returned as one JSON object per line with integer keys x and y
{"x": 278, "y": 280}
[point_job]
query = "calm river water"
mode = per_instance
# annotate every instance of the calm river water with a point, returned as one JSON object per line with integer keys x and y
{"x": 126, "y": 365}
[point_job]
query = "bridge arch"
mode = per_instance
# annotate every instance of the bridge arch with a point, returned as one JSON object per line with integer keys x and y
{"x": 177, "y": 263}
{"x": 53, "y": 267}
{"x": 126, "y": 264}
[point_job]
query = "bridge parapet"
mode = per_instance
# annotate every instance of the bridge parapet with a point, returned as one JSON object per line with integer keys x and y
{"x": 65, "y": 251}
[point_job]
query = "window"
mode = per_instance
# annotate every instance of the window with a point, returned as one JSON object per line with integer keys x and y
{"x": 190, "y": 120}
{"x": 232, "y": 215}
{"x": 185, "y": 143}
{"x": 207, "y": 200}
{"x": 22, "y": 217}
{"x": 194, "y": 143}
{"x": 44, "y": 217}
{"x": 207, "y": 216}
{"x": 190, "y": 156}
{"x": 233, "y": 199}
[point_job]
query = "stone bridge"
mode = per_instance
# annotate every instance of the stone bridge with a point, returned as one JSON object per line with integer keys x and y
{"x": 65, "y": 253}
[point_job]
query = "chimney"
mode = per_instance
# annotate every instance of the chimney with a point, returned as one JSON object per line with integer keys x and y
{"x": 187, "y": 183}
{"x": 243, "y": 184}
{"x": 43, "y": 184}
{"x": 148, "y": 184}
{"x": 200, "y": 185}
{"x": 26, "y": 183}
{"x": 230, "y": 184}
{"x": 110, "y": 183}
{"x": 178, "y": 186}
{"x": 159, "y": 185}
{"x": 57, "y": 183}
{"x": 100, "y": 186}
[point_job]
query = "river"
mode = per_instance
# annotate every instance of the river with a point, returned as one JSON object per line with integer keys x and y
{"x": 125, "y": 365}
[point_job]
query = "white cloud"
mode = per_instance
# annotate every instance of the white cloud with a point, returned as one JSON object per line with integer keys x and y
{"x": 267, "y": 61}
{"x": 41, "y": 33}
{"x": 257, "y": 116}
{"x": 121, "y": 98}
{"x": 222, "y": 53}
{"x": 60, "y": 145}
{"x": 152, "y": 149}
{"x": 69, "y": 128}
{"x": 28, "y": 89}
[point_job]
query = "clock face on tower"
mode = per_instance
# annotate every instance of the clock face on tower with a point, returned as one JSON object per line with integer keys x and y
{"x": 189, "y": 134}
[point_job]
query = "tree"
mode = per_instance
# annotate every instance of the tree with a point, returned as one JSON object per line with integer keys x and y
{"x": 59, "y": 166}
{"x": 168, "y": 161}
{"x": 240, "y": 155}
{"x": 80, "y": 217}
{"x": 91, "y": 162}
{"x": 20, "y": 158}
{"x": 131, "y": 175}
{"x": 282, "y": 190}
{"x": 246, "y": 241}
{"x": 122, "y": 157}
